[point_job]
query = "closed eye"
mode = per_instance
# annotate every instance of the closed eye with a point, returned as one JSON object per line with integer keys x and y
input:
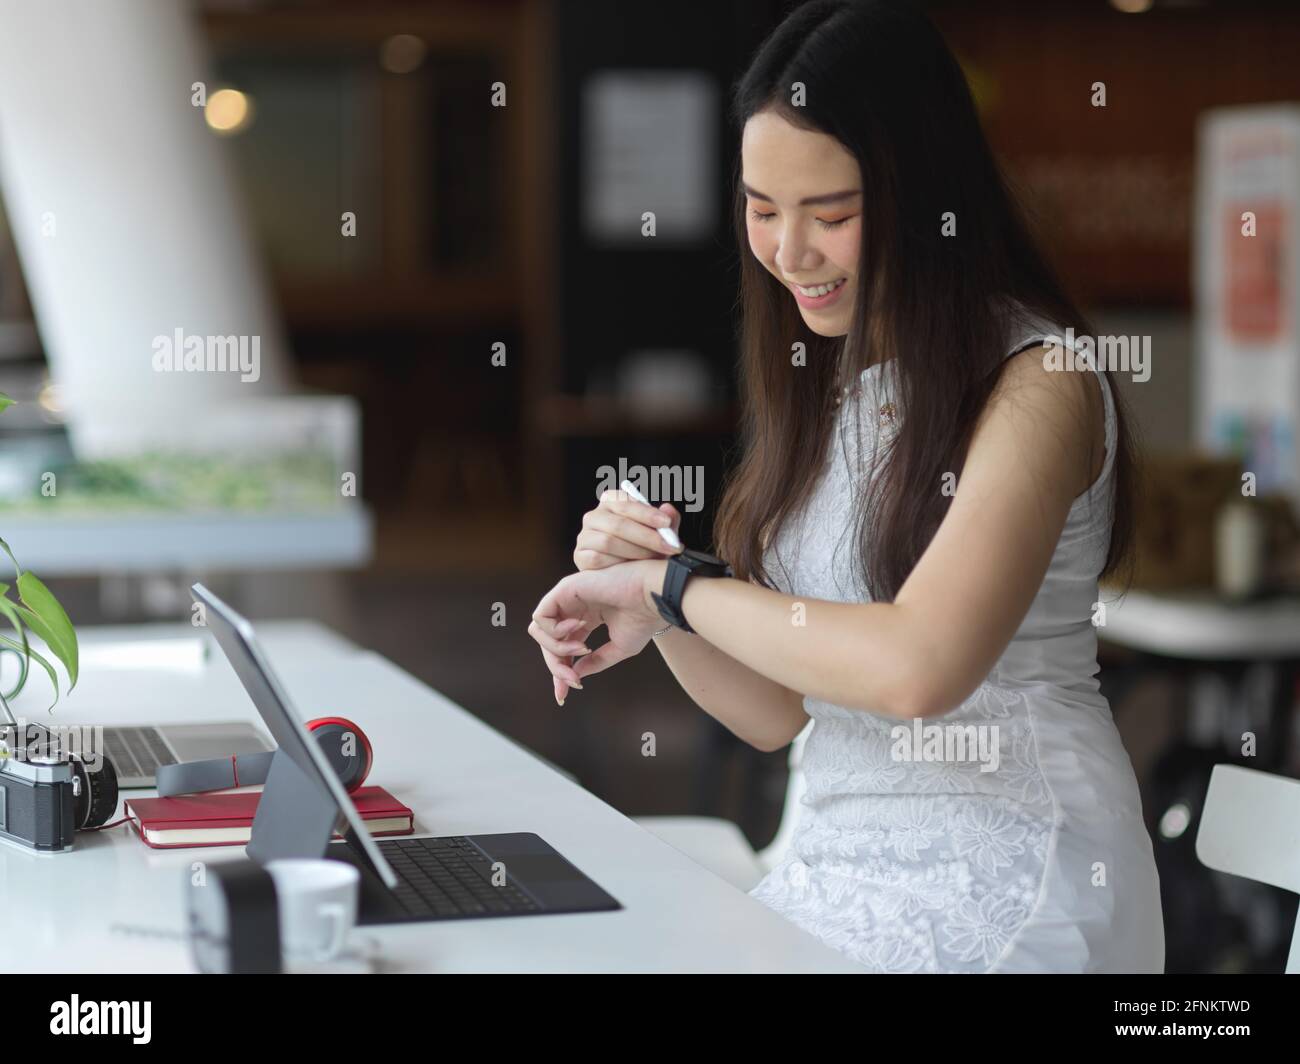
{"x": 759, "y": 216}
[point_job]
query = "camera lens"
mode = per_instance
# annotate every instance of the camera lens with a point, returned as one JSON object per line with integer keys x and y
{"x": 96, "y": 798}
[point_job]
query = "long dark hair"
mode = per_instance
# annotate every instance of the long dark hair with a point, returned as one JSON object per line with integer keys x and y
{"x": 878, "y": 77}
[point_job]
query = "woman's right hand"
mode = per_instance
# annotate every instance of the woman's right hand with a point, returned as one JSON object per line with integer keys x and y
{"x": 621, "y": 529}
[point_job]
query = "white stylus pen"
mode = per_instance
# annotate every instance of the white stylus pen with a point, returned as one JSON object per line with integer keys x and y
{"x": 669, "y": 536}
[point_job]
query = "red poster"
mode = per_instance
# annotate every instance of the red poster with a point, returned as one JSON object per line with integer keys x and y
{"x": 1253, "y": 277}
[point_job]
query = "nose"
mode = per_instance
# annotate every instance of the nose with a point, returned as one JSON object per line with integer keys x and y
{"x": 795, "y": 255}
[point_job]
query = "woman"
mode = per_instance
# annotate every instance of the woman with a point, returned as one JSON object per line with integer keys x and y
{"x": 925, "y": 504}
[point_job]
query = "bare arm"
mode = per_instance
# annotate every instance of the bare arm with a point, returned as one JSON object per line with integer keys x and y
{"x": 924, "y": 653}
{"x": 918, "y": 656}
{"x": 762, "y": 712}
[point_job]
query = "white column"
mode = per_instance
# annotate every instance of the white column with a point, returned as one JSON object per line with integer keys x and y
{"x": 125, "y": 214}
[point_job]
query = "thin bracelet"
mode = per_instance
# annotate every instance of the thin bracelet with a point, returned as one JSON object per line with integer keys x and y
{"x": 661, "y": 631}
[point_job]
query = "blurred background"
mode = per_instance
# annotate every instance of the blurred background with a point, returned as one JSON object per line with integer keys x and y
{"x": 418, "y": 225}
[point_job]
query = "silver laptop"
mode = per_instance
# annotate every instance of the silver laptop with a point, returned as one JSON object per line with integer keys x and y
{"x": 136, "y": 753}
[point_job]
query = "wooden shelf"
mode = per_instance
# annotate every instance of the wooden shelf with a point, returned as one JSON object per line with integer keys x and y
{"x": 355, "y": 24}
{"x": 444, "y": 301}
{"x": 575, "y": 415}
{"x": 461, "y": 542}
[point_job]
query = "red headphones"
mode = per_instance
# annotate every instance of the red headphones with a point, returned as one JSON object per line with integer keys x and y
{"x": 344, "y": 745}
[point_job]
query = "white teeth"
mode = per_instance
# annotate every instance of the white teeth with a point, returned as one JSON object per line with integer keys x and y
{"x": 821, "y": 289}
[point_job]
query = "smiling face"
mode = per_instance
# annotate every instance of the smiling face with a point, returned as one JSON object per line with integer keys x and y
{"x": 803, "y": 207}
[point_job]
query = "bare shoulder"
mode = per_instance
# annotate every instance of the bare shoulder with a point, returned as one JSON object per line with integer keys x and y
{"x": 1032, "y": 374}
{"x": 1033, "y": 391}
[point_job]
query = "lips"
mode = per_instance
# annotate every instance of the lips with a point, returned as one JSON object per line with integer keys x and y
{"x": 826, "y": 294}
{"x": 814, "y": 291}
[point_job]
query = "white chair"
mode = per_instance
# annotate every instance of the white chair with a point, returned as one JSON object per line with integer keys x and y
{"x": 1251, "y": 827}
{"x": 721, "y": 847}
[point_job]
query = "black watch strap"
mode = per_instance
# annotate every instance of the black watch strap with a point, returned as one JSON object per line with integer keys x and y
{"x": 681, "y": 567}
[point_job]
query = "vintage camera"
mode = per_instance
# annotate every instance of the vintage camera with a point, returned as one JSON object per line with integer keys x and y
{"x": 47, "y": 796}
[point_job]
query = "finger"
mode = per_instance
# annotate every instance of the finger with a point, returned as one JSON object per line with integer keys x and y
{"x": 550, "y": 607}
{"x": 621, "y": 503}
{"x": 565, "y": 601}
{"x": 598, "y": 660}
{"x": 586, "y": 558}
{"x": 673, "y": 515}
{"x": 559, "y": 627}
{"x": 561, "y": 690}
{"x": 612, "y": 546}
{"x": 559, "y": 647}
{"x": 581, "y": 629}
{"x": 561, "y": 669}
{"x": 627, "y": 538}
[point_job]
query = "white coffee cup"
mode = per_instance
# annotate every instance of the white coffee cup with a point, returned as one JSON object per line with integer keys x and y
{"x": 317, "y": 901}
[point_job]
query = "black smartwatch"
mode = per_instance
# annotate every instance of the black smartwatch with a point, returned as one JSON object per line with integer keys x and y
{"x": 681, "y": 567}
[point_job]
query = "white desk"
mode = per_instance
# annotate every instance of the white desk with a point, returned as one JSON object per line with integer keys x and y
{"x": 1198, "y": 625}
{"x": 459, "y": 776}
{"x": 79, "y": 544}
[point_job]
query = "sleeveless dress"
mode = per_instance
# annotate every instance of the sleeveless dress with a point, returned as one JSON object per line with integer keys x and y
{"x": 914, "y": 865}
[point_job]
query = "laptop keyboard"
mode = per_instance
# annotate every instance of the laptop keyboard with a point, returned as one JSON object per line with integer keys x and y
{"x": 136, "y": 752}
{"x": 450, "y": 877}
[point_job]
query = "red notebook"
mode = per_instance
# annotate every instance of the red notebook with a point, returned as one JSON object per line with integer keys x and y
{"x": 226, "y": 819}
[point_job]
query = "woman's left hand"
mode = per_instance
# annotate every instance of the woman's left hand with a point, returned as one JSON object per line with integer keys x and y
{"x": 617, "y": 597}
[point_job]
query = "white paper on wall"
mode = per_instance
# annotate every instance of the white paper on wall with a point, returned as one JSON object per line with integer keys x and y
{"x": 1248, "y": 290}
{"x": 650, "y": 144}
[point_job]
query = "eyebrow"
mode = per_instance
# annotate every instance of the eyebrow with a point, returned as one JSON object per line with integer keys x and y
{"x": 807, "y": 201}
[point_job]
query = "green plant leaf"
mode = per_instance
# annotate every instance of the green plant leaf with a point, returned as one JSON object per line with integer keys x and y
{"x": 11, "y": 611}
{"x": 8, "y": 608}
{"x": 49, "y": 621}
{"x": 18, "y": 569}
{"x": 5, "y": 402}
{"x": 24, "y": 666}
{"x": 24, "y": 648}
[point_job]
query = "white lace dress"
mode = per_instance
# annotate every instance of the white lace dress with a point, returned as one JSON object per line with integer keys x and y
{"x": 1043, "y": 865}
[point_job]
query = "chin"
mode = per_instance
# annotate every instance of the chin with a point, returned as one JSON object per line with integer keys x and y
{"x": 828, "y": 329}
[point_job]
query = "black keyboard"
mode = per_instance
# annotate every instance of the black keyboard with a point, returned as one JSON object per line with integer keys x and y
{"x": 450, "y": 877}
{"x": 136, "y": 752}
